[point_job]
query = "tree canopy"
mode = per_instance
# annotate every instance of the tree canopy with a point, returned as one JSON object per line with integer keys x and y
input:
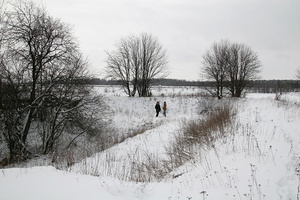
{"x": 136, "y": 62}
{"x": 230, "y": 65}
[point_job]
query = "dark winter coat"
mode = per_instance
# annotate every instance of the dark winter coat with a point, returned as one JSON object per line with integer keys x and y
{"x": 157, "y": 108}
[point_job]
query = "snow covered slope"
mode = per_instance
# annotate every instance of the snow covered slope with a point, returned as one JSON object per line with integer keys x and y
{"x": 259, "y": 160}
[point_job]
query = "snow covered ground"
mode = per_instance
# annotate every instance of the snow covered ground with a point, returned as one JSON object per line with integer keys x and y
{"x": 261, "y": 160}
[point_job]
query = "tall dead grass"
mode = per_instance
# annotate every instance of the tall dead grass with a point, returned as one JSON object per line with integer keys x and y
{"x": 206, "y": 131}
{"x": 201, "y": 133}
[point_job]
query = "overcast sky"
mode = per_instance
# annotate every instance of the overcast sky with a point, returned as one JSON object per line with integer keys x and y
{"x": 187, "y": 28}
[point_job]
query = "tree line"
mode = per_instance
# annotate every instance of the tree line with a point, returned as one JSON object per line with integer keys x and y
{"x": 261, "y": 86}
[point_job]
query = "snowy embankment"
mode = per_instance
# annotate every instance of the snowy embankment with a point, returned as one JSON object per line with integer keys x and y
{"x": 258, "y": 159}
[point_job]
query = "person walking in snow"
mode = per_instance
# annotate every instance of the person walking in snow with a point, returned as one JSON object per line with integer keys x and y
{"x": 165, "y": 109}
{"x": 157, "y": 108}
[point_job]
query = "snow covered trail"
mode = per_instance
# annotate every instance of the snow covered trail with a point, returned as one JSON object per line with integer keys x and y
{"x": 118, "y": 160}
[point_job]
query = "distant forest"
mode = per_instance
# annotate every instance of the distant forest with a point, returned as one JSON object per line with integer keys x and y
{"x": 261, "y": 86}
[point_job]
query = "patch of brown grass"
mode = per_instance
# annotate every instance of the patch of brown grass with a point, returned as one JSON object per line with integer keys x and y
{"x": 207, "y": 130}
{"x": 200, "y": 134}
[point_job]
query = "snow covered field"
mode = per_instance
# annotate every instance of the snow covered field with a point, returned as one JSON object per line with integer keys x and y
{"x": 259, "y": 159}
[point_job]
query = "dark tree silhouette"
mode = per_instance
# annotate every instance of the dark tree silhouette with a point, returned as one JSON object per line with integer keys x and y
{"x": 40, "y": 93}
{"x": 215, "y": 62}
{"x": 230, "y": 65}
{"x": 136, "y": 62}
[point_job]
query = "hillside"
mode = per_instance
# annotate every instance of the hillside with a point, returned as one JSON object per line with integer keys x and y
{"x": 258, "y": 158}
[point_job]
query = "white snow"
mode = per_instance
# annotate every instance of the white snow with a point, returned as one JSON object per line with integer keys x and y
{"x": 260, "y": 161}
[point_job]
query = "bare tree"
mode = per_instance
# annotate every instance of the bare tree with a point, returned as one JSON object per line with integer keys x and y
{"x": 136, "y": 62}
{"x": 34, "y": 41}
{"x": 230, "y": 65}
{"x": 119, "y": 64}
{"x": 215, "y": 63}
{"x": 41, "y": 73}
{"x": 243, "y": 66}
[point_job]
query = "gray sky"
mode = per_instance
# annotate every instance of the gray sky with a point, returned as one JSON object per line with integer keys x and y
{"x": 187, "y": 28}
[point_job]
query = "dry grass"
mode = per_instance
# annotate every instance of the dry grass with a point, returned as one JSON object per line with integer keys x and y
{"x": 201, "y": 134}
{"x": 194, "y": 136}
{"x": 206, "y": 131}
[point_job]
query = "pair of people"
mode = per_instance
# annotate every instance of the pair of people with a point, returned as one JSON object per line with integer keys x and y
{"x": 158, "y": 109}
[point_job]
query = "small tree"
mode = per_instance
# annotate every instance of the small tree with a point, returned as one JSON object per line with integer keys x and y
{"x": 136, "y": 62}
